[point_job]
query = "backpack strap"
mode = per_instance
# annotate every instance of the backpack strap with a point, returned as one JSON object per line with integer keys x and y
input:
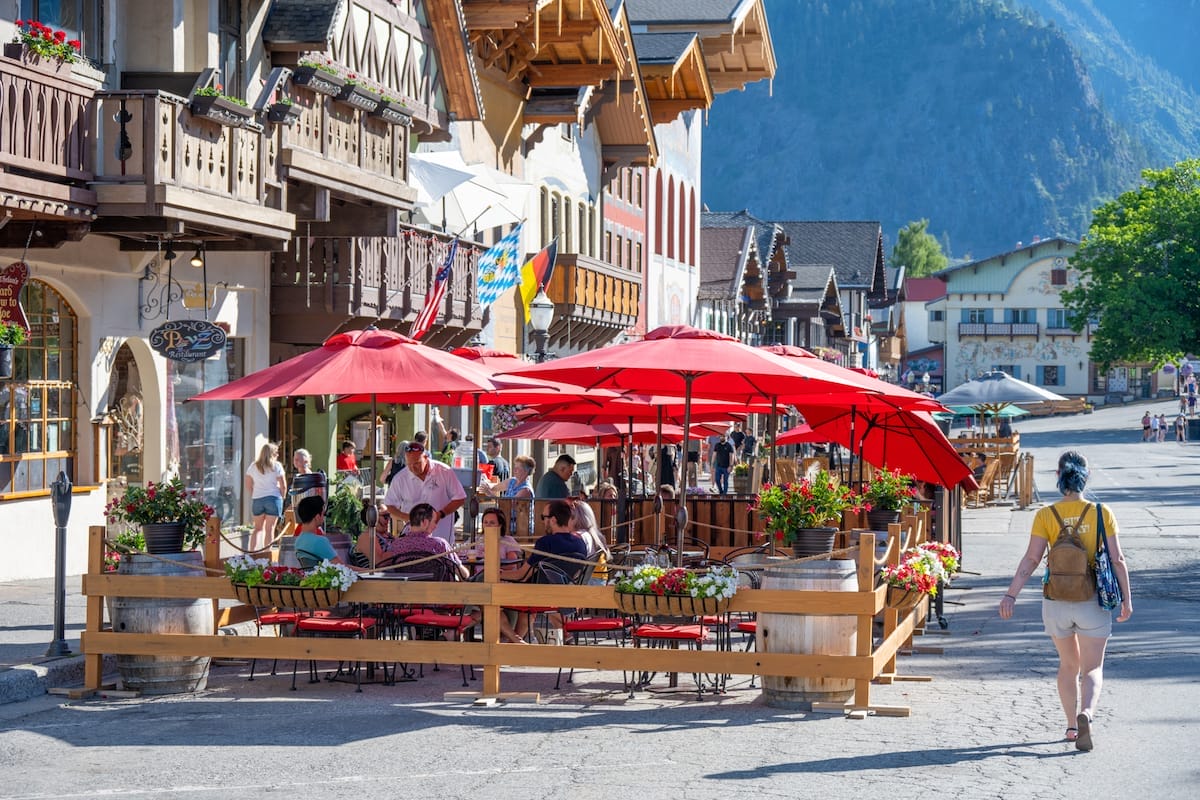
{"x": 1073, "y": 528}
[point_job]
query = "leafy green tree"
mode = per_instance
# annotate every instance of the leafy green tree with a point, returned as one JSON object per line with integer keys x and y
{"x": 918, "y": 251}
{"x": 1139, "y": 271}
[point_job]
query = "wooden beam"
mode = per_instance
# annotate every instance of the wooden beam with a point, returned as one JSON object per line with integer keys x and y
{"x": 570, "y": 74}
{"x": 358, "y": 221}
{"x": 666, "y": 110}
{"x": 148, "y": 225}
{"x": 497, "y": 14}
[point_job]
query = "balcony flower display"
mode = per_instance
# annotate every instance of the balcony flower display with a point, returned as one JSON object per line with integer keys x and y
{"x": 42, "y": 40}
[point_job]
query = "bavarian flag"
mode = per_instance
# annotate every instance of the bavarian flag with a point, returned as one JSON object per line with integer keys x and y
{"x": 497, "y": 268}
{"x": 536, "y": 274}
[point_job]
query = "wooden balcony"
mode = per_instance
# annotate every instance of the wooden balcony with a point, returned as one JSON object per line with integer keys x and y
{"x": 162, "y": 172}
{"x": 343, "y": 150}
{"x": 46, "y": 142}
{"x": 594, "y": 301}
{"x": 347, "y": 282}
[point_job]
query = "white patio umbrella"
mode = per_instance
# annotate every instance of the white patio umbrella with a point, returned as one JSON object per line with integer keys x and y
{"x": 489, "y": 199}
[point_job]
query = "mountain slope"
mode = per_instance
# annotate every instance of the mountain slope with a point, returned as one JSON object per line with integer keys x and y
{"x": 977, "y": 117}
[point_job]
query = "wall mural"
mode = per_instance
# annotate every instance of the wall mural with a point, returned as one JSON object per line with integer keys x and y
{"x": 976, "y": 357}
{"x": 1044, "y": 285}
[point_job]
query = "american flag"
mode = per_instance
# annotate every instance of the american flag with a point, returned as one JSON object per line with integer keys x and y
{"x": 433, "y": 300}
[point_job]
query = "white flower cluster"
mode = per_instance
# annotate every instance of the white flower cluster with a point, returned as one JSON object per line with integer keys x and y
{"x": 331, "y": 575}
{"x": 720, "y": 582}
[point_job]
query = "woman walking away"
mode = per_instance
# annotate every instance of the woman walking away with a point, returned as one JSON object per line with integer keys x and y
{"x": 1080, "y": 630}
{"x": 266, "y": 486}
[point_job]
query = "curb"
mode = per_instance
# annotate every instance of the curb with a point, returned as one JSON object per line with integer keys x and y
{"x": 27, "y": 681}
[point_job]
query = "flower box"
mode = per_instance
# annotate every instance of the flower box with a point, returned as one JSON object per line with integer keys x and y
{"x": 19, "y": 52}
{"x": 670, "y": 605}
{"x": 903, "y": 600}
{"x": 359, "y": 97}
{"x": 287, "y": 596}
{"x": 284, "y": 113}
{"x": 221, "y": 110}
{"x": 393, "y": 112}
{"x": 319, "y": 80}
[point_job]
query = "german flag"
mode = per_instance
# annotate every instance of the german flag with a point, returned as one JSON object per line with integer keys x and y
{"x": 536, "y": 273}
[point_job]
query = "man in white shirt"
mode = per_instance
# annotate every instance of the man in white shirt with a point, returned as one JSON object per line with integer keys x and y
{"x": 426, "y": 481}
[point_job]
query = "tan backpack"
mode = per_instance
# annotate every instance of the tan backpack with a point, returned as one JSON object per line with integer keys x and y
{"x": 1070, "y": 578}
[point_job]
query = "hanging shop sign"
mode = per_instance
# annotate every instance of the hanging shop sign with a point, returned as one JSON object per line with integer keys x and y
{"x": 12, "y": 280}
{"x": 187, "y": 340}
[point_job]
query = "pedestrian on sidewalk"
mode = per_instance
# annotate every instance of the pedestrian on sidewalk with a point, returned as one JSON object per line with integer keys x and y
{"x": 1181, "y": 428}
{"x": 1146, "y": 427}
{"x": 1080, "y": 630}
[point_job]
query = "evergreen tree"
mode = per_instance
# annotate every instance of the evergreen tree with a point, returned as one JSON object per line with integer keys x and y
{"x": 918, "y": 251}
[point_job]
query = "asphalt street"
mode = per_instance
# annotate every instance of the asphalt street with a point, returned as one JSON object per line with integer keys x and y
{"x": 987, "y": 726}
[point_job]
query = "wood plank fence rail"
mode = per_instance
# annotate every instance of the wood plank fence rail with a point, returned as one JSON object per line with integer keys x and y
{"x": 871, "y": 661}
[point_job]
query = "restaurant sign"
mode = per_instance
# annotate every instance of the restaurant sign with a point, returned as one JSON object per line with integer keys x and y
{"x": 187, "y": 340}
{"x": 12, "y": 279}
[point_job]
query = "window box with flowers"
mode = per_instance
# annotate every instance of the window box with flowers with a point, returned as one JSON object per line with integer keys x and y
{"x": 393, "y": 111}
{"x": 805, "y": 514}
{"x": 318, "y": 77}
{"x": 284, "y": 112}
{"x": 258, "y": 582}
{"x": 885, "y": 496}
{"x": 359, "y": 96}
{"x": 42, "y": 47}
{"x": 654, "y": 591}
{"x": 209, "y": 103}
{"x": 919, "y": 574}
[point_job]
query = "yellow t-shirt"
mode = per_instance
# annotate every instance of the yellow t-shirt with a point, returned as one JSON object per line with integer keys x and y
{"x": 1045, "y": 526}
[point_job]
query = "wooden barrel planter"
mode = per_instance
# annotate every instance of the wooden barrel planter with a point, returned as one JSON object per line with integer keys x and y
{"x": 153, "y": 675}
{"x": 808, "y": 634}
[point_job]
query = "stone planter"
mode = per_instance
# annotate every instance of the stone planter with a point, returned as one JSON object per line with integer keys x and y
{"x": 813, "y": 541}
{"x": 319, "y": 81}
{"x": 392, "y": 112}
{"x": 221, "y": 110}
{"x": 355, "y": 95}
{"x": 284, "y": 113}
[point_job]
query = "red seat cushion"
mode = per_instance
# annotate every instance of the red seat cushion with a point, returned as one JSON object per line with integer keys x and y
{"x": 335, "y": 625}
{"x": 279, "y": 618}
{"x": 532, "y": 609}
{"x": 746, "y": 627}
{"x": 714, "y": 620}
{"x": 429, "y": 619}
{"x": 596, "y": 624}
{"x": 695, "y": 633}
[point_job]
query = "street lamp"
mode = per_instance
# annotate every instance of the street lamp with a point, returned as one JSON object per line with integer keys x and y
{"x": 541, "y": 314}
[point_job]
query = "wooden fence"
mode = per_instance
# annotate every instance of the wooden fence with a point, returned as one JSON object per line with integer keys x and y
{"x": 871, "y": 661}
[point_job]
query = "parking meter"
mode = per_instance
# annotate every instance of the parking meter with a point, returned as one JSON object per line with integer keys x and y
{"x": 60, "y": 496}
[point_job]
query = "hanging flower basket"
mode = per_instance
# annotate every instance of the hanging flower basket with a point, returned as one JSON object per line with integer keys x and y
{"x": 287, "y": 596}
{"x": 903, "y": 600}
{"x": 670, "y": 605}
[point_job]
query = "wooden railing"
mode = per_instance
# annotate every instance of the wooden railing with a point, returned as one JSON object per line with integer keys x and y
{"x": 46, "y": 130}
{"x": 870, "y": 661}
{"x": 168, "y": 146}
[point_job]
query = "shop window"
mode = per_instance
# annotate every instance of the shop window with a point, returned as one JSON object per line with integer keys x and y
{"x": 37, "y": 405}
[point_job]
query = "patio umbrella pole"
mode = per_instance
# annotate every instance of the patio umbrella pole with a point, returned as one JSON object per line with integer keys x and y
{"x": 658, "y": 454}
{"x": 687, "y": 435}
{"x": 472, "y": 496}
{"x": 371, "y": 515}
{"x": 773, "y": 433}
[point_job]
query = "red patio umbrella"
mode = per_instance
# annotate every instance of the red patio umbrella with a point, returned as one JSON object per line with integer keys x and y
{"x": 909, "y": 441}
{"x": 583, "y": 433}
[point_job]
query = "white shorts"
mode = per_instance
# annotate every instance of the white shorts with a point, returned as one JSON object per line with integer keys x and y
{"x": 1086, "y": 618}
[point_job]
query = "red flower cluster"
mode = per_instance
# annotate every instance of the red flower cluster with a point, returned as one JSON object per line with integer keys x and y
{"x": 45, "y": 41}
{"x": 674, "y": 581}
{"x": 282, "y": 576}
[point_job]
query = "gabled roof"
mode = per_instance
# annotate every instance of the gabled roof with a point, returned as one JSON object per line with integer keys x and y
{"x": 811, "y": 282}
{"x": 664, "y": 12}
{"x": 855, "y": 249}
{"x": 1029, "y": 249}
{"x": 764, "y": 232}
{"x": 725, "y": 254}
{"x": 662, "y": 48}
{"x": 922, "y": 290}
{"x": 301, "y": 21}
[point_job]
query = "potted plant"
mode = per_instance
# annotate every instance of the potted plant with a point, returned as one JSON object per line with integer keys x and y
{"x": 885, "y": 496}
{"x": 11, "y": 335}
{"x": 318, "y": 76}
{"x": 919, "y": 574}
{"x": 741, "y": 478}
{"x": 171, "y": 518}
{"x": 209, "y": 103}
{"x": 805, "y": 514}
{"x": 343, "y": 511}
{"x": 42, "y": 46}
{"x": 284, "y": 112}
{"x": 660, "y": 591}
{"x": 359, "y": 96}
{"x": 258, "y": 582}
